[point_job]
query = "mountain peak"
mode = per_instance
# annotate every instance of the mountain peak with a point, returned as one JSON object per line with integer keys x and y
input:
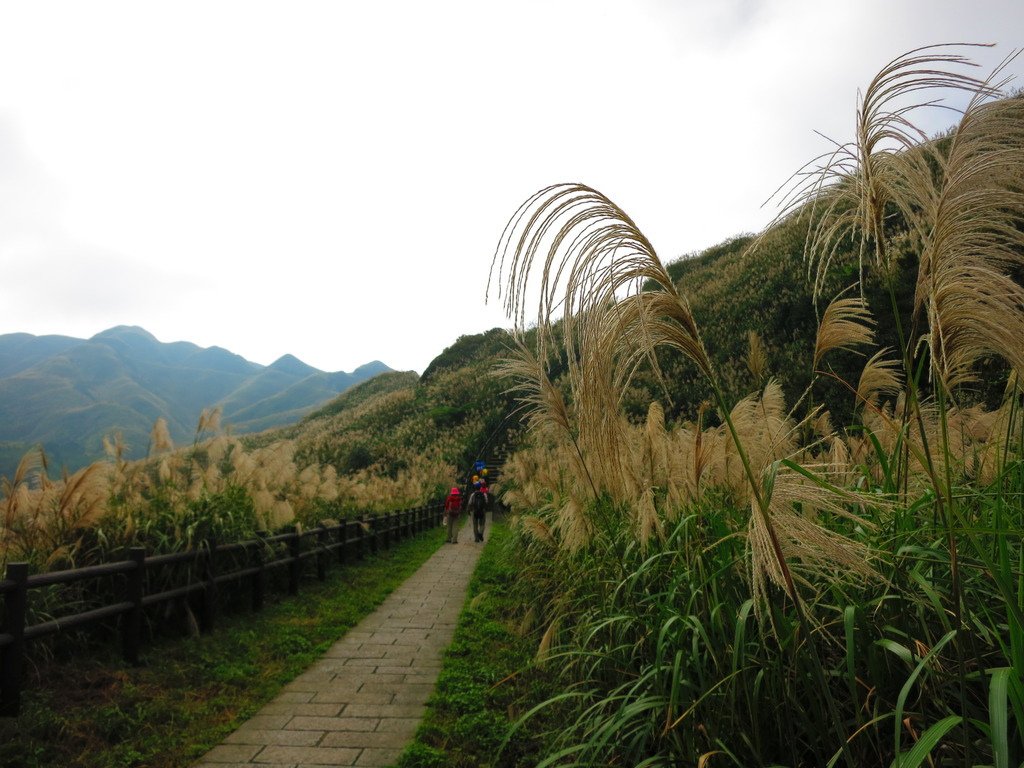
{"x": 292, "y": 365}
{"x": 371, "y": 369}
{"x": 124, "y": 331}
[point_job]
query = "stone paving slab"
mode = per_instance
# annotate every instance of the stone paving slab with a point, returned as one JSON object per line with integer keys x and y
{"x": 361, "y": 703}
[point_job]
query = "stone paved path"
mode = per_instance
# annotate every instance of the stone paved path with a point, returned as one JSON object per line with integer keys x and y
{"x": 361, "y": 703}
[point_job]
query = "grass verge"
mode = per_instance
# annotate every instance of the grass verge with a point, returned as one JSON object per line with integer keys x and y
{"x": 186, "y": 695}
{"x": 487, "y": 679}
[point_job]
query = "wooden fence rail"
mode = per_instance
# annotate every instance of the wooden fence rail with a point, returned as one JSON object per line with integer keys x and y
{"x": 251, "y": 561}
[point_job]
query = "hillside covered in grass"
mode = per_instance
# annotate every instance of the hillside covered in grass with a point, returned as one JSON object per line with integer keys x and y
{"x": 404, "y": 428}
{"x": 67, "y": 394}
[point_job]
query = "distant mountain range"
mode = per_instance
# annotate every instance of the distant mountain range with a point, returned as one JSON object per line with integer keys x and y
{"x": 67, "y": 393}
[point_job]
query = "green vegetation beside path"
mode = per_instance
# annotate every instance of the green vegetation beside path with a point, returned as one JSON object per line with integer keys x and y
{"x": 488, "y": 680}
{"x": 91, "y": 710}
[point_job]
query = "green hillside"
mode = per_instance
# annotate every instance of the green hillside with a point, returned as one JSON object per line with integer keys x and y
{"x": 427, "y": 429}
{"x": 68, "y": 394}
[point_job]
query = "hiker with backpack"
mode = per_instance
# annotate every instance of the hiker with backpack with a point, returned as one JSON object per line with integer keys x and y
{"x": 478, "y": 503}
{"x": 452, "y": 507}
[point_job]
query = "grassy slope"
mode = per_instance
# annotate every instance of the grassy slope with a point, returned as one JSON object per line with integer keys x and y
{"x": 389, "y": 424}
{"x": 738, "y": 286}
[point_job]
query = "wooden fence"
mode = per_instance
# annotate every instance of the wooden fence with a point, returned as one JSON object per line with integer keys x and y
{"x": 205, "y": 572}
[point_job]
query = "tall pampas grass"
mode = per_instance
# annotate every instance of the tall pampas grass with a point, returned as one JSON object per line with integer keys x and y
{"x": 860, "y": 526}
{"x": 849, "y": 189}
{"x": 757, "y": 356}
{"x": 617, "y": 305}
{"x": 798, "y": 497}
{"x": 845, "y": 324}
{"x": 160, "y": 438}
{"x": 973, "y": 223}
{"x": 880, "y": 377}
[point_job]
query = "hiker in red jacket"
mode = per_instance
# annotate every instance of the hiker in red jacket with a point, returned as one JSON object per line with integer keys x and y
{"x": 452, "y": 507}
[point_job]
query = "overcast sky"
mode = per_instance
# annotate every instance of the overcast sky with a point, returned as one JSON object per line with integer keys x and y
{"x": 330, "y": 179}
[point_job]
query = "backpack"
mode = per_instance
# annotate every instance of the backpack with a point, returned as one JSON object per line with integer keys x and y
{"x": 478, "y": 501}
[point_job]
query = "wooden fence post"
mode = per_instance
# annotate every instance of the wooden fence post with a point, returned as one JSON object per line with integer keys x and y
{"x": 342, "y": 541}
{"x": 294, "y": 564}
{"x": 321, "y": 555}
{"x": 374, "y": 544}
{"x": 12, "y": 656}
{"x": 210, "y": 587}
{"x": 259, "y": 578}
{"x": 131, "y": 622}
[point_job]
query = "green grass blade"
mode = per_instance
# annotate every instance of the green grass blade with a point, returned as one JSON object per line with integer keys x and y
{"x": 905, "y": 691}
{"x": 849, "y": 630}
{"x": 927, "y": 742}
{"x": 997, "y": 716}
{"x": 933, "y": 598}
{"x": 883, "y": 462}
{"x": 1016, "y": 695}
{"x": 897, "y": 649}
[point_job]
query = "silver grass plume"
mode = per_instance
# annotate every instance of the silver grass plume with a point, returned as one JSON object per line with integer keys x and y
{"x": 848, "y": 189}
{"x": 974, "y": 239}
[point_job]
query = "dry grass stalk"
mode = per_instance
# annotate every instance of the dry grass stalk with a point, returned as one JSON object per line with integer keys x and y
{"x": 757, "y": 356}
{"x": 655, "y": 448}
{"x": 811, "y": 548}
{"x": 572, "y": 524}
{"x": 547, "y": 640}
{"x": 880, "y": 377}
{"x": 44, "y": 518}
{"x": 537, "y": 528}
{"x": 160, "y": 438}
{"x": 209, "y": 421}
{"x": 845, "y": 324}
{"x": 594, "y": 253}
{"x": 975, "y": 442}
{"x": 766, "y": 433}
{"x": 849, "y": 188}
{"x": 973, "y": 223}
{"x": 821, "y": 425}
{"x": 547, "y": 413}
